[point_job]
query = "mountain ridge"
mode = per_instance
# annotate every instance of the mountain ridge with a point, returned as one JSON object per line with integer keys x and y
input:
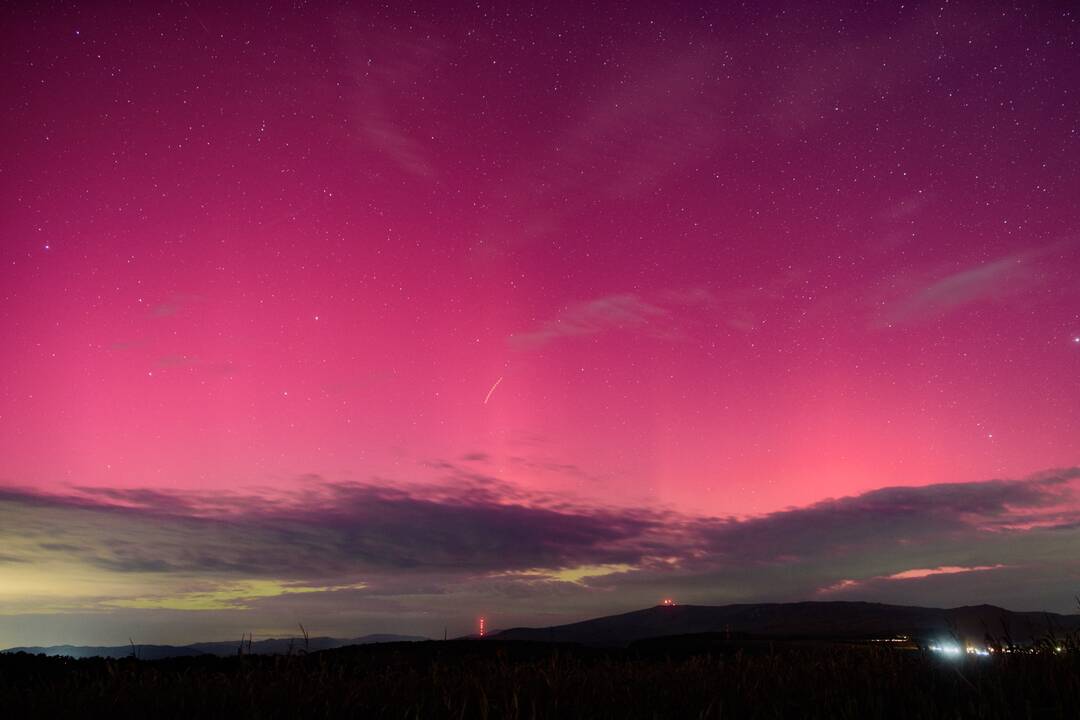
{"x": 810, "y": 619}
{"x": 270, "y": 646}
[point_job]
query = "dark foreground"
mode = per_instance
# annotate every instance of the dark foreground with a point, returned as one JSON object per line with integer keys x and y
{"x": 469, "y": 679}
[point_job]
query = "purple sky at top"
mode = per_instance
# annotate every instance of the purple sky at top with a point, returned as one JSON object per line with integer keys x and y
{"x": 689, "y": 261}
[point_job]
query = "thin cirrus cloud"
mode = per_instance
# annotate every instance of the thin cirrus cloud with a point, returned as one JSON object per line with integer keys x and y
{"x": 916, "y": 573}
{"x": 623, "y": 312}
{"x": 381, "y": 68}
{"x": 913, "y": 574}
{"x": 1006, "y": 277}
{"x": 667, "y": 117}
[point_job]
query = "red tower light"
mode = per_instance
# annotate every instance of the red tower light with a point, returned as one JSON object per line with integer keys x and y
{"x": 482, "y": 626}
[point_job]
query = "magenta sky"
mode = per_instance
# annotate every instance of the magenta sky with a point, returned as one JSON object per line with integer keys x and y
{"x": 719, "y": 266}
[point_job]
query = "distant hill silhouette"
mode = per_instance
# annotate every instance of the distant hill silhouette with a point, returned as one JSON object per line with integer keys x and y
{"x": 812, "y": 620}
{"x": 273, "y": 646}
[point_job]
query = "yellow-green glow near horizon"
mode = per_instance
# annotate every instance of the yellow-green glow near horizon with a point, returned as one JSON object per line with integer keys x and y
{"x": 230, "y": 596}
{"x": 574, "y": 574}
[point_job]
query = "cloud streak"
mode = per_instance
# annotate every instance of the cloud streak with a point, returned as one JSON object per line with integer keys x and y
{"x": 913, "y": 574}
{"x": 982, "y": 282}
{"x": 1004, "y": 278}
{"x": 612, "y": 313}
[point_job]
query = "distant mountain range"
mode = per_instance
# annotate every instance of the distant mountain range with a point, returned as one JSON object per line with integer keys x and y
{"x": 804, "y": 620}
{"x": 810, "y": 620}
{"x": 259, "y": 647}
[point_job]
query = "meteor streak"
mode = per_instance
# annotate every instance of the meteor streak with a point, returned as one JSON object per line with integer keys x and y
{"x": 488, "y": 396}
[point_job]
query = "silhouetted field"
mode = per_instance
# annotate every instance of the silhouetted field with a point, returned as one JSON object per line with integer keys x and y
{"x": 492, "y": 679}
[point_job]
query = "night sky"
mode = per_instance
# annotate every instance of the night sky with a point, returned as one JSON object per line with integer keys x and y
{"x": 382, "y": 318}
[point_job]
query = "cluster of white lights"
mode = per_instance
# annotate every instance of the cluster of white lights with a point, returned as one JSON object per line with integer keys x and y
{"x": 951, "y": 649}
{"x": 946, "y": 648}
{"x": 896, "y": 639}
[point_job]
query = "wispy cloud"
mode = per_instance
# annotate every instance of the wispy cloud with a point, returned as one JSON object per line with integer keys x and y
{"x": 656, "y": 122}
{"x": 662, "y": 318}
{"x": 626, "y": 312}
{"x": 997, "y": 280}
{"x": 381, "y": 68}
{"x": 913, "y": 574}
{"x": 981, "y": 282}
{"x": 917, "y": 573}
{"x": 174, "y": 304}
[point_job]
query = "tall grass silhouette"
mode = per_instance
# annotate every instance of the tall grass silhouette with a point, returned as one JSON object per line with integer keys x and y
{"x": 491, "y": 679}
